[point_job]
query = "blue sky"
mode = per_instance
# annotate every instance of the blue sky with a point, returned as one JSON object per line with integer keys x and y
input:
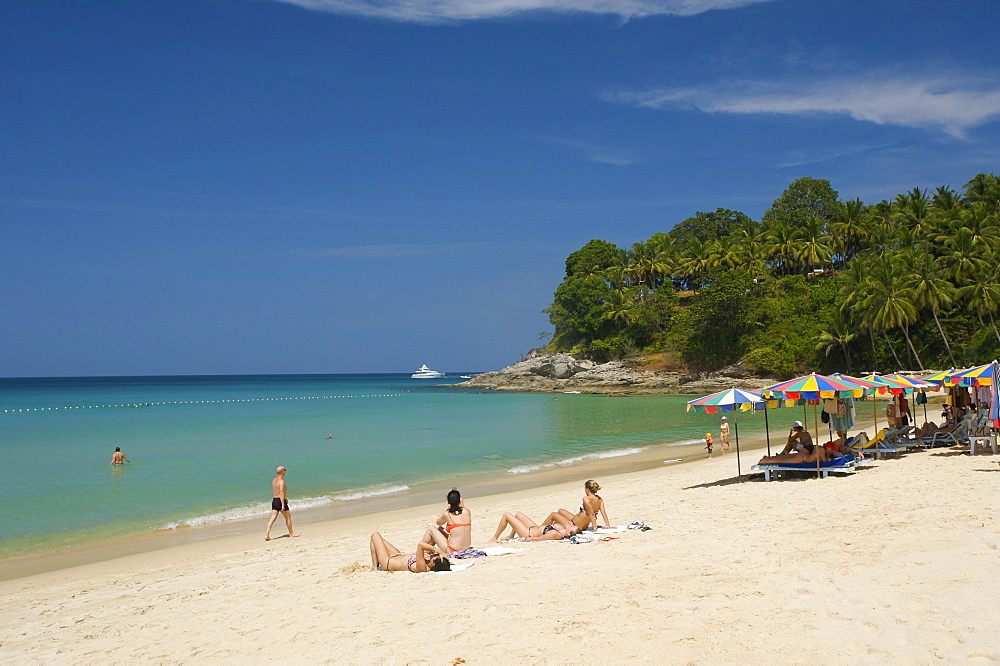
{"x": 268, "y": 186}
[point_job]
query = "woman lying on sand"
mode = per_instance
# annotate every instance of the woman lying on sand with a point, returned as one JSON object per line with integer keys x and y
{"x": 386, "y": 557}
{"x": 529, "y": 530}
{"x": 453, "y": 531}
{"x": 586, "y": 517}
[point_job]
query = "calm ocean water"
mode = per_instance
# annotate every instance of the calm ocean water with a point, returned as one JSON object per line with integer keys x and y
{"x": 204, "y": 448}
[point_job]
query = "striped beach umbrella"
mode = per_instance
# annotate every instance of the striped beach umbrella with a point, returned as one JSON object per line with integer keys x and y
{"x": 731, "y": 400}
{"x": 995, "y": 397}
{"x": 937, "y": 378}
{"x": 979, "y": 376}
{"x": 813, "y": 387}
{"x": 727, "y": 401}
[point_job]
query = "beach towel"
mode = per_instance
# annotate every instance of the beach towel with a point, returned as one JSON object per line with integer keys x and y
{"x": 468, "y": 553}
{"x": 461, "y": 566}
{"x": 496, "y": 551}
{"x": 610, "y": 530}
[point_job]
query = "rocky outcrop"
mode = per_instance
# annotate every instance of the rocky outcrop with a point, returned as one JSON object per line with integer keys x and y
{"x": 555, "y": 372}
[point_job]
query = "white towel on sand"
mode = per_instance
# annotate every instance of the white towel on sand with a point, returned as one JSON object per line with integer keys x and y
{"x": 609, "y": 530}
{"x": 461, "y": 566}
{"x": 494, "y": 551}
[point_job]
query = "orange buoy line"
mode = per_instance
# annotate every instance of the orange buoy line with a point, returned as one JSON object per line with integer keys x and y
{"x": 201, "y": 402}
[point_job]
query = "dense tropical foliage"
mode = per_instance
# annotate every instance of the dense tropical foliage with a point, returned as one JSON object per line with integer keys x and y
{"x": 817, "y": 283}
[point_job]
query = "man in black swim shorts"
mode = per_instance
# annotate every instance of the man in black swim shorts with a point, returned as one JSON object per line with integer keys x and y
{"x": 279, "y": 504}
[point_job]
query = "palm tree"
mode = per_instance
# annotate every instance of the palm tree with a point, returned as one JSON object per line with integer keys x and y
{"x": 837, "y": 333}
{"x": 848, "y": 228}
{"x": 782, "y": 245}
{"x": 945, "y": 200}
{"x": 619, "y": 306}
{"x": 961, "y": 255}
{"x": 854, "y": 293}
{"x": 751, "y": 247}
{"x": 984, "y": 188}
{"x": 931, "y": 290}
{"x": 815, "y": 246}
{"x": 983, "y": 294}
{"x": 914, "y": 212}
{"x": 892, "y": 306}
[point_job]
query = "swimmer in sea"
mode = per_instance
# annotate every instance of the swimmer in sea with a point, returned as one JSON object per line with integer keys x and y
{"x": 280, "y": 503}
{"x": 119, "y": 458}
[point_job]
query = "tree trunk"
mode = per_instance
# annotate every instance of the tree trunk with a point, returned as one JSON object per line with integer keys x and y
{"x": 906, "y": 334}
{"x": 899, "y": 365}
{"x": 943, "y": 337}
{"x": 847, "y": 357}
{"x": 994, "y": 325}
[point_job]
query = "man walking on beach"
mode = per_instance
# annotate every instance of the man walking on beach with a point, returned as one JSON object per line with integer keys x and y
{"x": 279, "y": 504}
{"x": 119, "y": 458}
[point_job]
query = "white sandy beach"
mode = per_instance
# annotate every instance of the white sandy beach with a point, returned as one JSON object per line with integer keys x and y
{"x": 897, "y": 562}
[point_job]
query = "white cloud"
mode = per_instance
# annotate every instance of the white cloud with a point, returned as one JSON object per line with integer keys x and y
{"x": 436, "y": 11}
{"x": 948, "y": 104}
{"x": 601, "y": 154}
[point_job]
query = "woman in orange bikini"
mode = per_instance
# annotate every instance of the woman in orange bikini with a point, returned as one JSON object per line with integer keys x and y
{"x": 386, "y": 557}
{"x": 453, "y": 531}
{"x": 586, "y": 517}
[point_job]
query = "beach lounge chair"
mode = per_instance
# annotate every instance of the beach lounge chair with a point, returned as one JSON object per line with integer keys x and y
{"x": 957, "y": 437}
{"x": 887, "y": 442}
{"x": 841, "y": 464}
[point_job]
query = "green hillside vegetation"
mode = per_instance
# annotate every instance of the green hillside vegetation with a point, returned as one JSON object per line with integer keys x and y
{"x": 817, "y": 284}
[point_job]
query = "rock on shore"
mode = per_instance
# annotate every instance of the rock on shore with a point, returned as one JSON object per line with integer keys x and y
{"x": 556, "y": 372}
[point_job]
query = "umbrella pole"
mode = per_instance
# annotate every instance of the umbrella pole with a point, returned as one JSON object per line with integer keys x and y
{"x": 875, "y": 414}
{"x": 805, "y": 415}
{"x": 767, "y": 430}
{"x": 736, "y": 422}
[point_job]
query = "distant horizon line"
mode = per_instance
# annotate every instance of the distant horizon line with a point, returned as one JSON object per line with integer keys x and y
{"x": 448, "y": 374}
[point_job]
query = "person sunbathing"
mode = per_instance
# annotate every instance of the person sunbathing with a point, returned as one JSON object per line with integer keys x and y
{"x": 799, "y": 440}
{"x": 453, "y": 531}
{"x": 930, "y": 429}
{"x": 529, "y": 530}
{"x": 586, "y": 517}
{"x": 839, "y": 447}
{"x": 386, "y": 557}
{"x": 818, "y": 453}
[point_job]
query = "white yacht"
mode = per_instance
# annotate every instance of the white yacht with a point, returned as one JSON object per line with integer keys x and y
{"x": 426, "y": 373}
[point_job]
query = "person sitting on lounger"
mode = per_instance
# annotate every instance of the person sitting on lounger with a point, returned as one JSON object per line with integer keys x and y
{"x": 386, "y": 557}
{"x": 529, "y": 530}
{"x": 930, "y": 429}
{"x": 586, "y": 517}
{"x": 799, "y": 440}
{"x": 453, "y": 531}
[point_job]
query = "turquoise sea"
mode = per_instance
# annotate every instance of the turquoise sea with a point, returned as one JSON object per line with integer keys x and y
{"x": 204, "y": 449}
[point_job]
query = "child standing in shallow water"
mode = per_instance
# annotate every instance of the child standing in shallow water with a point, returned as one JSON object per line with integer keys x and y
{"x": 708, "y": 443}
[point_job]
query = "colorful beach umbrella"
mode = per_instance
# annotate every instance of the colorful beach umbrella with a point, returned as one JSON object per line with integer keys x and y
{"x": 978, "y": 376}
{"x": 937, "y": 378}
{"x": 995, "y": 396}
{"x": 813, "y": 387}
{"x": 731, "y": 400}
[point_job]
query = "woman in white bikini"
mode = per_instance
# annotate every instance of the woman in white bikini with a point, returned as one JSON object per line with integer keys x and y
{"x": 586, "y": 517}
{"x": 386, "y": 557}
{"x": 529, "y": 530}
